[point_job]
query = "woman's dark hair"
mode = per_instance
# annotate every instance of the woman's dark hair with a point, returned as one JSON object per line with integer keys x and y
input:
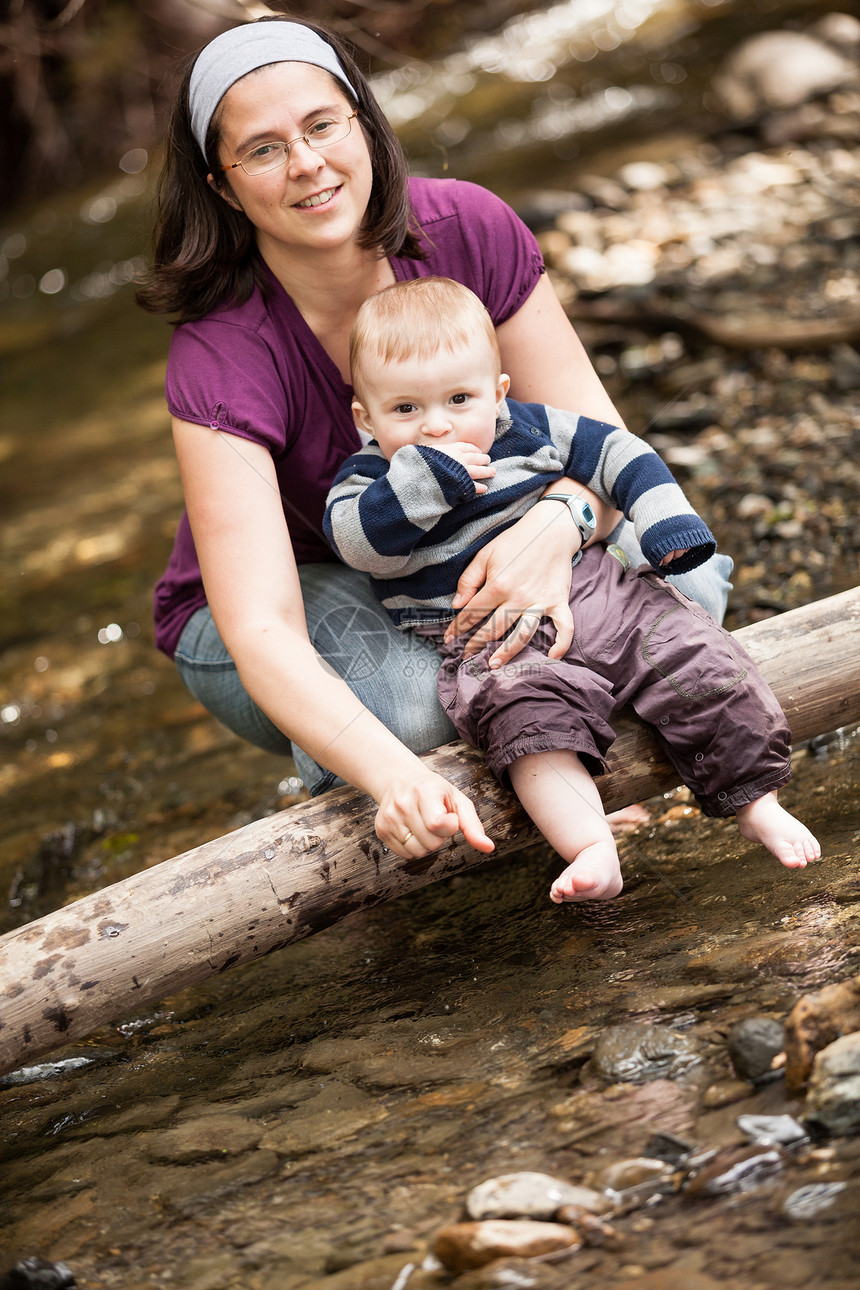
{"x": 205, "y": 250}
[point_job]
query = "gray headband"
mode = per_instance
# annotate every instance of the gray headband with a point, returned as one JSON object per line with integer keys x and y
{"x": 229, "y": 57}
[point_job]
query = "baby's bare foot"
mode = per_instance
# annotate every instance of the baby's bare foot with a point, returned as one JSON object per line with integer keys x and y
{"x": 595, "y": 874}
{"x": 765, "y": 821}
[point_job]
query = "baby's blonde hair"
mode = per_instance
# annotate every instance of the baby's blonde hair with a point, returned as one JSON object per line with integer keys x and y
{"x": 417, "y": 319}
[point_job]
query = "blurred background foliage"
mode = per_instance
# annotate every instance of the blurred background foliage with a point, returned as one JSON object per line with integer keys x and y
{"x": 83, "y": 81}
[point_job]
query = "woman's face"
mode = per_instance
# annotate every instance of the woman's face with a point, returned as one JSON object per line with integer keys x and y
{"x": 317, "y": 200}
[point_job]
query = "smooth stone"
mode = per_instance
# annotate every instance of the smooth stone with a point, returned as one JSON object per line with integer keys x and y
{"x": 725, "y": 1092}
{"x": 528, "y": 1195}
{"x": 630, "y": 1173}
{"x": 814, "y": 1022}
{"x": 775, "y": 70}
{"x": 753, "y": 1043}
{"x": 668, "y": 1147}
{"x": 637, "y": 1053}
{"x": 503, "y": 1274}
{"x": 464, "y": 1246}
{"x": 833, "y": 1099}
{"x": 811, "y": 1202}
{"x": 593, "y": 1230}
{"x": 41, "y": 1274}
{"x": 736, "y": 1171}
{"x": 769, "y": 1129}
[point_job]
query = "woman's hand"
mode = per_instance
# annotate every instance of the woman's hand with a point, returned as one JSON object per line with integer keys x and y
{"x": 418, "y": 814}
{"x": 523, "y": 575}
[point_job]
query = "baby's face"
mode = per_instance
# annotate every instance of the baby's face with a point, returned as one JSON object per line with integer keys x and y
{"x": 451, "y": 398}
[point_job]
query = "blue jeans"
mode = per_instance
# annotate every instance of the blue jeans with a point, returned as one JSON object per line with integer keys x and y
{"x": 393, "y": 673}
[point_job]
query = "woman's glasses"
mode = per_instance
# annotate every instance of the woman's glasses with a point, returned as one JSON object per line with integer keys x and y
{"x": 268, "y": 156}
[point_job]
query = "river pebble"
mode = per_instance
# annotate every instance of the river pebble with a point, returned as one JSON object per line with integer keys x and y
{"x": 470, "y": 1245}
{"x": 807, "y": 1204}
{"x": 724, "y": 1092}
{"x": 40, "y": 1274}
{"x": 779, "y": 69}
{"x": 814, "y": 1022}
{"x": 595, "y": 1231}
{"x": 753, "y": 1044}
{"x": 529, "y": 1195}
{"x": 631, "y": 1173}
{"x": 736, "y": 1170}
{"x": 635, "y": 1053}
{"x": 768, "y": 1129}
{"x": 833, "y": 1099}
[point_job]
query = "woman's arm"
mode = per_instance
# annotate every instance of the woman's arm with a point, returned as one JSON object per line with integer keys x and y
{"x": 528, "y": 566}
{"x": 253, "y": 589}
{"x": 546, "y": 360}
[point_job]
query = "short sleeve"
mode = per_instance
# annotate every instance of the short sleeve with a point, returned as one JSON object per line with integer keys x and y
{"x": 473, "y": 236}
{"x": 225, "y": 376}
{"x": 505, "y": 251}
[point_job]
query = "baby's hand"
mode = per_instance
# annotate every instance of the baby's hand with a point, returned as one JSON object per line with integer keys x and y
{"x": 673, "y": 555}
{"x": 469, "y": 455}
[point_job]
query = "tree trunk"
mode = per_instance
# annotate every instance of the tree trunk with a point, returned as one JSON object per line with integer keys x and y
{"x": 284, "y": 877}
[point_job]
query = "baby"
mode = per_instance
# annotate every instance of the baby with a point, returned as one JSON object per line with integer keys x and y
{"x": 452, "y": 462}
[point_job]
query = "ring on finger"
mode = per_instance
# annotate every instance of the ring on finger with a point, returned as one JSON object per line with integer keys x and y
{"x": 409, "y": 835}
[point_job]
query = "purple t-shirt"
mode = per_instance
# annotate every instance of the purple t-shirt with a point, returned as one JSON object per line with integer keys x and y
{"x": 257, "y": 370}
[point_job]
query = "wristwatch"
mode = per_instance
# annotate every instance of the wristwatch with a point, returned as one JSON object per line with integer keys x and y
{"x": 583, "y": 517}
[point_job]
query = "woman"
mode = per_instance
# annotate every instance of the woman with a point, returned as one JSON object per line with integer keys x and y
{"x": 284, "y": 204}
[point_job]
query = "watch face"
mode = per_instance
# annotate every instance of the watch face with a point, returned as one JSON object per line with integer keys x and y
{"x": 588, "y": 515}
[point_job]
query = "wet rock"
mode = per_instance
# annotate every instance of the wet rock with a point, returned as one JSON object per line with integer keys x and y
{"x": 668, "y": 1147}
{"x": 631, "y": 1173}
{"x": 833, "y": 1099}
{"x": 209, "y": 1138}
{"x": 775, "y": 70}
{"x": 753, "y": 1044}
{"x": 463, "y": 1246}
{"x": 814, "y": 1022}
{"x": 505, "y": 1274}
{"x": 736, "y": 1170}
{"x": 594, "y": 1231}
{"x": 769, "y": 1129}
{"x": 811, "y": 1203}
{"x": 40, "y": 885}
{"x": 37, "y": 1274}
{"x": 529, "y": 1195}
{"x": 637, "y": 1053}
{"x": 724, "y": 1092}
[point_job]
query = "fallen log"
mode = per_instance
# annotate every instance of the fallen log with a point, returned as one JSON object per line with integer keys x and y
{"x": 282, "y": 878}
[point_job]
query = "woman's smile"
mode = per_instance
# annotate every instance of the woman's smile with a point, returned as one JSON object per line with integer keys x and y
{"x": 317, "y": 199}
{"x": 326, "y": 190}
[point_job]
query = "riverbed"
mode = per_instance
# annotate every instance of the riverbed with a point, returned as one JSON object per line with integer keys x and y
{"x": 314, "y": 1118}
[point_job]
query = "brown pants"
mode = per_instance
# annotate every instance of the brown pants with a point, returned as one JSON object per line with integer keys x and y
{"x": 637, "y": 641}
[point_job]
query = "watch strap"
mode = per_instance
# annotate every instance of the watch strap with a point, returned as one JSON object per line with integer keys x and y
{"x": 581, "y": 514}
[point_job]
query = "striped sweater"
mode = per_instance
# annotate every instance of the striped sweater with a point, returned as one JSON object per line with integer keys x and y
{"x": 415, "y": 523}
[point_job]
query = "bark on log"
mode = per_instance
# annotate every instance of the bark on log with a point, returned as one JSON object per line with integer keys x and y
{"x": 284, "y": 877}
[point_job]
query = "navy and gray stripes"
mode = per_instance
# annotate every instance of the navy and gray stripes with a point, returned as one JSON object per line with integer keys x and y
{"x": 416, "y": 522}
